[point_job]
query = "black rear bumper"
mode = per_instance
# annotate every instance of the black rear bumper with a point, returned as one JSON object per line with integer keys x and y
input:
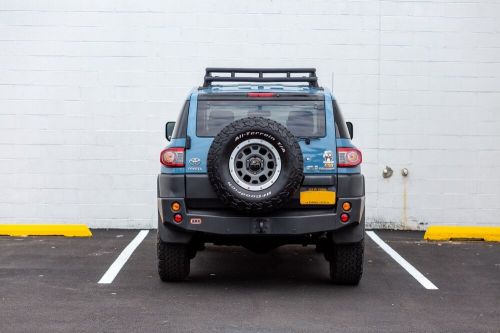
{"x": 285, "y": 222}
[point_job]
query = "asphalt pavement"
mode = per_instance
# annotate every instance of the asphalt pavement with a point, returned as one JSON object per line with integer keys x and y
{"x": 50, "y": 284}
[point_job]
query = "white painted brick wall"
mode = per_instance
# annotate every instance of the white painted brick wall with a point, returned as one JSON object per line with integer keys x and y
{"x": 86, "y": 87}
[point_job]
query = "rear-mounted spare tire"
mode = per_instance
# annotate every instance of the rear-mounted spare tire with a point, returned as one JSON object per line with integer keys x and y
{"x": 255, "y": 165}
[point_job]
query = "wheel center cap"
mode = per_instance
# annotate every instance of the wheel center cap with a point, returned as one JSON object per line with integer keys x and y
{"x": 254, "y": 164}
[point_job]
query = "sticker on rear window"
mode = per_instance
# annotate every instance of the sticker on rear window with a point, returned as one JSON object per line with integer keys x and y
{"x": 328, "y": 159}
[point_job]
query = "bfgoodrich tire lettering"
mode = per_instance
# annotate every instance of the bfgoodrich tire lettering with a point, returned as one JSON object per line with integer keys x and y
{"x": 267, "y": 176}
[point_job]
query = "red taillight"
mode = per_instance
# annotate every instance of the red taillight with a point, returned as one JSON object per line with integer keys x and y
{"x": 349, "y": 157}
{"x": 261, "y": 94}
{"x": 172, "y": 157}
{"x": 177, "y": 218}
{"x": 344, "y": 217}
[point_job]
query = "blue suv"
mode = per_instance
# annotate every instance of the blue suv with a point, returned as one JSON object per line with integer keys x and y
{"x": 261, "y": 158}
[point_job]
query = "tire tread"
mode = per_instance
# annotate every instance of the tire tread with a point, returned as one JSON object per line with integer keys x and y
{"x": 346, "y": 263}
{"x": 173, "y": 261}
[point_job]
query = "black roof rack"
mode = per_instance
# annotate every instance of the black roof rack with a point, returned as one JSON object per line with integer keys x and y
{"x": 309, "y": 77}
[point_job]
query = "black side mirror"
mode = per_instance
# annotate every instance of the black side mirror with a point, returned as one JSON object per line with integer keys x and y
{"x": 350, "y": 128}
{"x": 169, "y": 130}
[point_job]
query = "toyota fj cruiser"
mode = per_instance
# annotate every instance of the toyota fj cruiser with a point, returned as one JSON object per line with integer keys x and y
{"x": 261, "y": 163}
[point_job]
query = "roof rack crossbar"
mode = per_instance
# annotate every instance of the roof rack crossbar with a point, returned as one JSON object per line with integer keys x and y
{"x": 310, "y": 75}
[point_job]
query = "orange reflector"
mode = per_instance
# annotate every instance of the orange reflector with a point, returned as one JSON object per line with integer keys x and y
{"x": 175, "y": 206}
{"x": 346, "y": 206}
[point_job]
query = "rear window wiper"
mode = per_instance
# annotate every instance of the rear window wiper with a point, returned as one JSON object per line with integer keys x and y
{"x": 306, "y": 139}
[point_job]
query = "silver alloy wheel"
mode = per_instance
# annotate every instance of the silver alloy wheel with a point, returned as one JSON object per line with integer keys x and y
{"x": 255, "y": 164}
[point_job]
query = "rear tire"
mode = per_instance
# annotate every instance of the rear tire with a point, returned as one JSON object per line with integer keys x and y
{"x": 173, "y": 261}
{"x": 346, "y": 263}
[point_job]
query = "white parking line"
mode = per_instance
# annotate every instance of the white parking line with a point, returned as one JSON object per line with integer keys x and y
{"x": 117, "y": 265}
{"x": 402, "y": 261}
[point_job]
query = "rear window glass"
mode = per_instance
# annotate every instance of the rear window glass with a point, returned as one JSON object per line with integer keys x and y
{"x": 302, "y": 118}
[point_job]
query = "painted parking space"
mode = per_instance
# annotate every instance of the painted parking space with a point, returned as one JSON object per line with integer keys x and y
{"x": 287, "y": 264}
{"x": 122, "y": 258}
{"x": 233, "y": 290}
{"x": 461, "y": 267}
{"x": 443, "y": 260}
{"x": 87, "y": 258}
{"x": 424, "y": 281}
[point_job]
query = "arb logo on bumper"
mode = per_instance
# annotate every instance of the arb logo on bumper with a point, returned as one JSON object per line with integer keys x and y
{"x": 195, "y": 220}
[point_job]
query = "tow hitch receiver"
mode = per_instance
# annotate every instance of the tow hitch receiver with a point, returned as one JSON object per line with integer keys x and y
{"x": 261, "y": 226}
